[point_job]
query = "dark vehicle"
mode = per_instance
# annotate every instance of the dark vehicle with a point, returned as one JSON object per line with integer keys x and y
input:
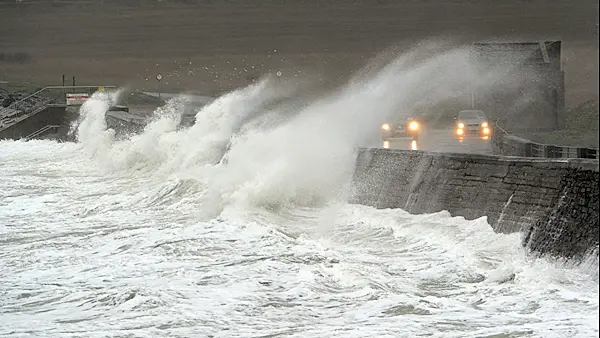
{"x": 411, "y": 127}
{"x": 472, "y": 124}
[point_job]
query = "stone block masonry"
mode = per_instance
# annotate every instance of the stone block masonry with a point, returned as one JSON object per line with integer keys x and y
{"x": 554, "y": 202}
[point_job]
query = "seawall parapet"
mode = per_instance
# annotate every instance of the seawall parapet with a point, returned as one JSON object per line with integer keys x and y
{"x": 553, "y": 202}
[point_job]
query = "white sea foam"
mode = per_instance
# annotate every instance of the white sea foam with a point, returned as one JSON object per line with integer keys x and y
{"x": 156, "y": 236}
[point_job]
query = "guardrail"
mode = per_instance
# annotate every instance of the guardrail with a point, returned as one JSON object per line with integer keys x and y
{"x": 511, "y": 145}
{"x": 34, "y": 103}
{"x": 42, "y": 131}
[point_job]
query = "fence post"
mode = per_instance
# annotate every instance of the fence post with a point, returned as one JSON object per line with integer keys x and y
{"x": 63, "y": 85}
{"x": 553, "y": 151}
{"x": 527, "y": 149}
{"x": 587, "y": 153}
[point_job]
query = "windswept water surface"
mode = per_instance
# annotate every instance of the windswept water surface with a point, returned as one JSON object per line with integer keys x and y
{"x": 157, "y": 236}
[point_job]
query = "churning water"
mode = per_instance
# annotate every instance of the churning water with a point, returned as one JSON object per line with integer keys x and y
{"x": 238, "y": 227}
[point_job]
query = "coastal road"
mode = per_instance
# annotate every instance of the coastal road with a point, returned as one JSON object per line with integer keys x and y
{"x": 442, "y": 140}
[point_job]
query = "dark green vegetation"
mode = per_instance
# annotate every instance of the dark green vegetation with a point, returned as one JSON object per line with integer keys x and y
{"x": 581, "y": 129}
{"x": 19, "y": 87}
{"x": 211, "y": 46}
{"x": 214, "y": 45}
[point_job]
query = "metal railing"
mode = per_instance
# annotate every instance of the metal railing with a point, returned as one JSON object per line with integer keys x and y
{"x": 42, "y": 131}
{"x": 553, "y": 151}
{"x": 511, "y": 145}
{"x": 498, "y": 134}
{"x": 36, "y": 102}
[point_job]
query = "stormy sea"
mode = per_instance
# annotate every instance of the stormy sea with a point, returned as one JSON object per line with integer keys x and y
{"x": 241, "y": 226}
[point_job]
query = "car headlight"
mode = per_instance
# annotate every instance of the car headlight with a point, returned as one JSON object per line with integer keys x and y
{"x": 484, "y": 124}
{"x": 461, "y": 125}
{"x": 414, "y": 145}
{"x": 386, "y": 127}
{"x": 413, "y": 125}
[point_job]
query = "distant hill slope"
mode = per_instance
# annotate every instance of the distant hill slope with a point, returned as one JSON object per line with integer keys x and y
{"x": 581, "y": 129}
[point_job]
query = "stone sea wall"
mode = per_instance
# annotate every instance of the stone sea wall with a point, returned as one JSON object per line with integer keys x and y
{"x": 554, "y": 202}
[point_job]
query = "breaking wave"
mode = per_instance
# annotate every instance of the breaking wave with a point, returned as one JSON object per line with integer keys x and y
{"x": 239, "y": 224}
{"x": 279, "y": 151}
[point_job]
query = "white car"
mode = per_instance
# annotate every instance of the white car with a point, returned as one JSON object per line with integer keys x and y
{"x": 473, "y": 124}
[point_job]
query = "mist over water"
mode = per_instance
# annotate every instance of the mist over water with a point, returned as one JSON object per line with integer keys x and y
{"x": 239, "y": 226}
{"x": 279, "y": 151}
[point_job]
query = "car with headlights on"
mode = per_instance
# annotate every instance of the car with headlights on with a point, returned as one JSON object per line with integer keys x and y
{"x": 411, "y": 127}
{"x": 472, "y": 124}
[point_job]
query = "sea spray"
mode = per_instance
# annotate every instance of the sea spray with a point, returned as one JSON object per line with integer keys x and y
{"x": 92, "y": 131}
{"x": 206, "y": 141}
{"x": 307, "y": 156}
{"x": 308, "y": 159}
{"x": 141, "y": 251}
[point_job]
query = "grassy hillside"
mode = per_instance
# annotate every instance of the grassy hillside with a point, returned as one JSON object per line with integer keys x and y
{"x": 581, "y": 128}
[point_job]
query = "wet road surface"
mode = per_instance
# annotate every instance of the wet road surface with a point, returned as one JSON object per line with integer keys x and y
{"x": 442, "y": 140}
